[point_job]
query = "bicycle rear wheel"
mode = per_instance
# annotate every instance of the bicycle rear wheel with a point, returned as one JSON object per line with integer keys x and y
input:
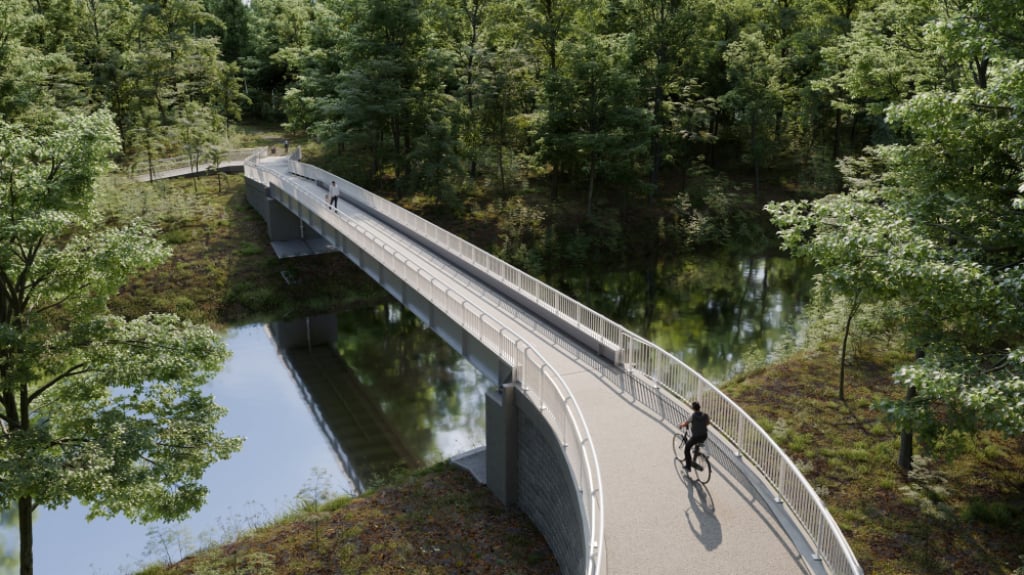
{"x": 679, "y": 446}
{"x": 701, "y": 469}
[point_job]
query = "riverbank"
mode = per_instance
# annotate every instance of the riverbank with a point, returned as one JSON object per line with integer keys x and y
{"x": 437, "y": 521}
{"x": 223, "y": 271}
{"x": 959, "y": 511}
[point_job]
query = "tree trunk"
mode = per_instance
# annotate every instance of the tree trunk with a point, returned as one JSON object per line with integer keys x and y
{"x": 907, "y": 439}
{"x": 842, "y": 356}
{"x": 764, "y": 295}
{"x": 501, "y": 170}
{"x": 651, "y": 299}
{"x": 756, "y": 153}
{"x": 757, "y": 180}
{"x": 835, "y": 136}
{"x": 656, "y": 153}
{"x": 590, "y": 185}
{"x": 25, "y": 534}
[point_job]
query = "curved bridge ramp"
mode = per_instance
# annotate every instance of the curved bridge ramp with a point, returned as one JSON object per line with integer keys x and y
{"x": 649, "y": 518}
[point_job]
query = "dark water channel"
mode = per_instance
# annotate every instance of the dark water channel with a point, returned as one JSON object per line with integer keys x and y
{"x": 388, "y": 392}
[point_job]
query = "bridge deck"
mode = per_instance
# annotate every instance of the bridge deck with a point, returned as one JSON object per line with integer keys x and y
{"x": 655, "y": 520}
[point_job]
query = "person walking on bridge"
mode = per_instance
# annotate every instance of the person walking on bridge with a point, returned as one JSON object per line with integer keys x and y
{"x": 334, "y": 194}
{"x": 698, "y": 424}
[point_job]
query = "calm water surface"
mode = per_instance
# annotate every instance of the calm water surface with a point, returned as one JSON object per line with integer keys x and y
{"x": 387, "y": 392}
{"x": 429, "y": 408}
{"x": 717, "y": 314}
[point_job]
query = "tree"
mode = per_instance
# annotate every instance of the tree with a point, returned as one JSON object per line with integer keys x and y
{"x": 462, "y": 30}
{"x": 756, "y": 96}
{"x": 30, "y": 78}
{"x": 196, "y": 128}
{"x": 378, "y": 90}
{"x": 595, "y": 121}
{"x": 96, "y": 407}
{"x": 145, "y": 61}
{"x": 233, "y": 28}
{"x": 278, "y": 31}
{"x": 847, "y": 237}
{"x": 883, "y": 60}
{"x": 934, "y": 225}
{"x": 670, "y": 37}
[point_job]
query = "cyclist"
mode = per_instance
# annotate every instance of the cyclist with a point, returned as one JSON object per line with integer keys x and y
{"x": 698, "y": 424}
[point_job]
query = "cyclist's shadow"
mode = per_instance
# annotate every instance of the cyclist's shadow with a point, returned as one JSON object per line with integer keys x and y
{"x": 701, "y": 514}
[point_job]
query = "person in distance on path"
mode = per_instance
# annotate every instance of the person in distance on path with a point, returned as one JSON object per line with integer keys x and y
{"x": 334, "y": 194}
{"x": 698, "y": 424}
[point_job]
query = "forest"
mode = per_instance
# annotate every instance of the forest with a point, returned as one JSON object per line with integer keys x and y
{"x": 884, "y": 136}
{"x": 883, "y": 140}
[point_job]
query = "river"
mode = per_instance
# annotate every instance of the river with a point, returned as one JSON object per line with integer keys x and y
{"x": 388, "y": 392}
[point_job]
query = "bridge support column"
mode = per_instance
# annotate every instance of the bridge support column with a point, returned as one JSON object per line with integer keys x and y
{"x": 503, "y": 444}
{"x": 282, "y": 224}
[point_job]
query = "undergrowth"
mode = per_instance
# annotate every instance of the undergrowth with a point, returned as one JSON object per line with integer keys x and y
{"x": 437, "y": 521}
{"x": 960, "y": 510}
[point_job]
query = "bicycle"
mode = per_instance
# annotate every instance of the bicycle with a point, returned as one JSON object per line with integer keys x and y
{"x": 700, "y": 466}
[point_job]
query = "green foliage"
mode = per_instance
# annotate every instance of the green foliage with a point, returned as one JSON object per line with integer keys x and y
{"x": 32, "y": 78}
{"x": 94, "y": 407}
{"x": 756, "y": 96}
{"x": 931, "y": 226}
{"x": 316, "y": 493}
{"x": 253, "y": 298}
{"x": 884, "y": 58}
{"x": 520, "y": 226}
{"x": 705, "y": 209}
{"x": 998, "y": 513}
{"x": 593, "y": 122}
{"x": 250, "y": 249}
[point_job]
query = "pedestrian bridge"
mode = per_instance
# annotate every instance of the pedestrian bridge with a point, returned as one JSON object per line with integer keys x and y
{"x": 580, "y": 419}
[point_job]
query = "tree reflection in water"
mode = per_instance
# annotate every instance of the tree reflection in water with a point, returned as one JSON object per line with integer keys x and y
{"x": 424, "y": 387}
{"x": 711, "y": 312}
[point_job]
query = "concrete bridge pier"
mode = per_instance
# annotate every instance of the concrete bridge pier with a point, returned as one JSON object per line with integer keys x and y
{"x": 526, "y": 468}
{"x": 502, "y": 444}
{"x": 289, "y": 235}
{"x": 282, "y": 224}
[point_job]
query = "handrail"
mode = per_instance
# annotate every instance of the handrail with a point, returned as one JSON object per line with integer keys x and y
{"x": 753, "y": 442}
{"x": 539, "y": 381}
{"x": 173, "y": 163}
{"x": 747, "y": 437}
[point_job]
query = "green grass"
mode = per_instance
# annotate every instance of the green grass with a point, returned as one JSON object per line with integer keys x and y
{"x": 437, "y": 521}
{"x": 222, "y": 270}
{"x": 960, "y": 511}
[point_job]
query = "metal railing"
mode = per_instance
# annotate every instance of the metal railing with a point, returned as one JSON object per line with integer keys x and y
{"x": 196, "y": 164}
{"x": 747, "y": 437}
{"x": 538, "y": 380}
{"x": 750, "y": 440}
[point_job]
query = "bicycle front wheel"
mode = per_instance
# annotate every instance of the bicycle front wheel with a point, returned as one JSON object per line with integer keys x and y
{"x": 679, "y": 446}
{"x": 702, "y": 468}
